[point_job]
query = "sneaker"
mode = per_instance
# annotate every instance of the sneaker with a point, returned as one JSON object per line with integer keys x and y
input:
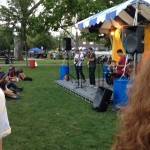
{"x": 91, "y": 85}
{"x": 16, "y": 97}
{"x": 95, "y": 87}
{"x": 20, "y": 89}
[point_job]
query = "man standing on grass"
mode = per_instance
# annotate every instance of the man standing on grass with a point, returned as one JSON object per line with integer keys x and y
{"x": 54, "y": 56}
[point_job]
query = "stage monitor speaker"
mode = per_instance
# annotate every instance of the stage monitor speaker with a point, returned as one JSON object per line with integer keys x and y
{"x": 133, "y": 39}
{"x": 102, "y": 99}
{"x": 67, "y": 43}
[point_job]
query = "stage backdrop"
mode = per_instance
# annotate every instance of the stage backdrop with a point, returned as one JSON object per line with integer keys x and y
{"x": 146, "y": 42}
{"x": 117, "y": 44}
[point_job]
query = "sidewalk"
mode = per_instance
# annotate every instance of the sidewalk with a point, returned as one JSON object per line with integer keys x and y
{"x": 24, "y": 65}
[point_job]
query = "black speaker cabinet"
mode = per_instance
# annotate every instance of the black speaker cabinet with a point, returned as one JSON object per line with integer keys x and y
{"x": 67, "y": 43}
{"x": 133, "y": 39}
{"x": 102, "y": 99}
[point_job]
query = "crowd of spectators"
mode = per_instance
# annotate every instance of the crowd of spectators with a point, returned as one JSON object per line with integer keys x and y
{"x": 8, "y": 79}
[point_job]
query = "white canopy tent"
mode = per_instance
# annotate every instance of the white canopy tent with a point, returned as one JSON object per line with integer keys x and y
{"x": 117, "y": 17}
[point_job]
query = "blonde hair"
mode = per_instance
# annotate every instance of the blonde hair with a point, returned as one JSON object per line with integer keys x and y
{"x": 134, "y": 124}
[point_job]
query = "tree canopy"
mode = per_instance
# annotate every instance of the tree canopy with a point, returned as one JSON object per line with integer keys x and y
{"x": 24, "y": 16}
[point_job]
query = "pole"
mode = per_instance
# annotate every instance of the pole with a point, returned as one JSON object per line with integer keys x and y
{"x": 135, "y": 23}
{"x": 77, "y": 36}
{"x": 77, "y": 39}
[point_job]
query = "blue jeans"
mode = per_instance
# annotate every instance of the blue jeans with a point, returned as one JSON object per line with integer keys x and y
{"x": 11, "y": 84}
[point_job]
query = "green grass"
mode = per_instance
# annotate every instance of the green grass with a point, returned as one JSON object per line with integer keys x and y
{"x": 48, "y": 117}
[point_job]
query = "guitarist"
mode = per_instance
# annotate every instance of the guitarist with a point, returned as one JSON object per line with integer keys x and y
{"x": 92, "y": 66}
{"x": 78, "y": 60}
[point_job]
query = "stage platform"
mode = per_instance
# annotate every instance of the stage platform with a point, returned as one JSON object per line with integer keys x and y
{"x": 85, "y": 91}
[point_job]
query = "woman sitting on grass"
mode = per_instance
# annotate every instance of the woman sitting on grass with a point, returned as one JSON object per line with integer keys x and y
{"x": 21, "y": 75}
{"x": 12, "y": 74}
{"x": 7, "y": 92}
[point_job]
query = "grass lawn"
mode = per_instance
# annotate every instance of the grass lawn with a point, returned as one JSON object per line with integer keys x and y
{"x": 48, "y": 117}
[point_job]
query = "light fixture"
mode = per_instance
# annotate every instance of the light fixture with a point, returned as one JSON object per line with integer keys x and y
{"x": 112, "y": 32}
{"x": 101, "y": 35}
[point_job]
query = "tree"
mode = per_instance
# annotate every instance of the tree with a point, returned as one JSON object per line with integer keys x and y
{"x": 64, "y": 13}
{"x": 56, "y": 14}
{"x": 47, "y": 41}
{"x": 6, "y": 37}
{"x": 17, "y": 15}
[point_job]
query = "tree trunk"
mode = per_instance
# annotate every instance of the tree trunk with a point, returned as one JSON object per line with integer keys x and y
{"x": 18, "y": 48}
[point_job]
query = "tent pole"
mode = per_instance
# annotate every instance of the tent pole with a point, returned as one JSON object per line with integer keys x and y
{"x": 77, "y": 39}
{"x": 135, "y": 23}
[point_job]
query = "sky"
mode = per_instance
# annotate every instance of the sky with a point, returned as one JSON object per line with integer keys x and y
{"x": 2, "y": 2}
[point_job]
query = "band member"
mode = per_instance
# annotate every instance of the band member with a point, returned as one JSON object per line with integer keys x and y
{"x": 130, "y": 66}
{"x": 92, "y": 66}
{"x": 78, "y": 60}
{"x": 121, "y": 63}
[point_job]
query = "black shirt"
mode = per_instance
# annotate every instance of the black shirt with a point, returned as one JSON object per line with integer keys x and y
{"x": 92, "y": 63}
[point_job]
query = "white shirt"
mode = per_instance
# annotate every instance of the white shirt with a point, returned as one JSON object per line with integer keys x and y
{"x": 4, "y": 123}
{"x": 78, "y": 59}
{"x": 54, "y": 55}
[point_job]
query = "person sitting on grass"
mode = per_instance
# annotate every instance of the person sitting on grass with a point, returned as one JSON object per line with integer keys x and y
{"x": 10, "y": 84}
{"x": 8, "y": 70}
{"x": 12, "y": 74}
{"x": 7, "y": 92}
{"x": 21, "y": 75}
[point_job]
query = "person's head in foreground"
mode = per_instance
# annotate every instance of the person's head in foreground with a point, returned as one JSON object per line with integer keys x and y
{"x": 4, "y": 123}
{"x": 134, "y": 131}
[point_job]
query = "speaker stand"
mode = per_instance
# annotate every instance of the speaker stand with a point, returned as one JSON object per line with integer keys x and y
{"x": 69, "y": 64}
{"x": 102, "y": 64}
{"x": 70, "y": 76}
{"x": 80, "y": 85}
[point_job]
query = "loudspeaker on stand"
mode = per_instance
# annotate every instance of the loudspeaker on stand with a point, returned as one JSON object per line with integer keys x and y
{"x": 133, "y": 39}
{"x": 67, "y": 43}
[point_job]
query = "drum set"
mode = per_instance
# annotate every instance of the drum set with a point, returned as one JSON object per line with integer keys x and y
{"x": 111, "y": 74}
{"x": 110, "y": 70}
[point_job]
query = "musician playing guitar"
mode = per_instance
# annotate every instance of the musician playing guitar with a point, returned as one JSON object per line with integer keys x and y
{"x": 78, "y": 60}
{"x": 92, "y": 66}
